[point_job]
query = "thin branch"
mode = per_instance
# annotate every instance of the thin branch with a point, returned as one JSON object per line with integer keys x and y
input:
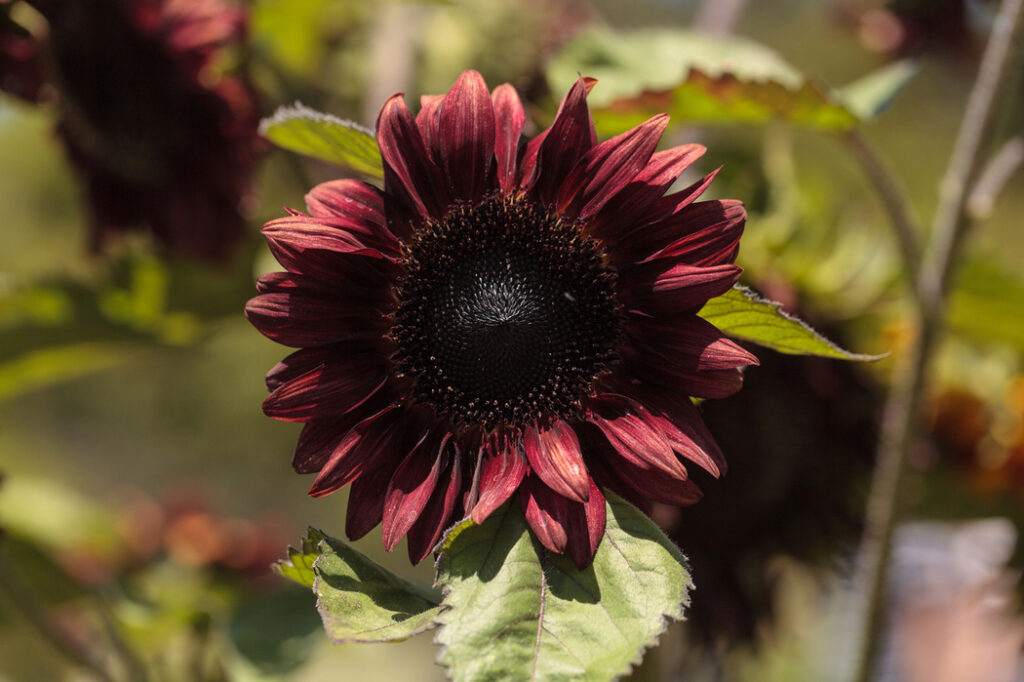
{"x": 893, "y": 199}
{"x": 900, "y": 424}
{"x": 33, "y": 612}
{"x": 997, "y": 173}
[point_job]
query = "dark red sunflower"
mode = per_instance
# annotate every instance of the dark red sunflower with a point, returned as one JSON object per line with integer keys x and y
{"x": 501, "y": 318}
{"x": 163, "y": 141}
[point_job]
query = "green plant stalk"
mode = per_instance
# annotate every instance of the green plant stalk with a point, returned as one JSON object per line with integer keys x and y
{"x": 901, "y": 421}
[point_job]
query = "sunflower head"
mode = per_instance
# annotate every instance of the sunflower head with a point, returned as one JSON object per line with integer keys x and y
{"x": 502, "y": 317}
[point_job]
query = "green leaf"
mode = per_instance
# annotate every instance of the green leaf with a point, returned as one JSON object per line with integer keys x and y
{"x": 325, "y": 137}
{"x": 695, "y": 78}
{"x": 298, "y": 567}
{"x": 517, "y": 611}
{"x": 869, "y": 96}
{"x": 361, "y": 601}
{"x": 742, "y": 314}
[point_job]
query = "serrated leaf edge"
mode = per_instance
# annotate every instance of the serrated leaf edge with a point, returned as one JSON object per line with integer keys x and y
{"x": 776, "y": 306}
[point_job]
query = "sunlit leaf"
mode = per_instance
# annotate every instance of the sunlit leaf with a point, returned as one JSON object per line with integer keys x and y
{"x": 298, "y": 567}
{"x": 518, "y": 612}
{"x": 871, "y": 95}
{"x": 360, "y": 600}
{"x": 708, "y": 79}
{"x": 742, "y": 314}
{"x": 323, "y": 136}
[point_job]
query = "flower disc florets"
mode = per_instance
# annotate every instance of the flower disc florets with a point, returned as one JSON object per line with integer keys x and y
{"x": 506, "y": 314}
{"x": 502, "y": 320}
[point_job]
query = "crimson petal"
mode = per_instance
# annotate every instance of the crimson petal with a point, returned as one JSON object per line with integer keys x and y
{"x": 636, "y": 438}
{"x": 554, "y": 456}
{"x": 608, "y": 168}
{"x": 303, "y": 321}
{"x": 585, "y": 527}
{"x": 624, "y": 210}
{"x": 411, "y": 487}
{"x": 570, "y": 137}
{"x": 427, "y": 120}
{"x": 689, "y": 341}
{"x": 312, "y": 246}
{"x": 437, "y": 515}
{"x": 467, "y": 134}
{"x": 410, "y": 175}
{"x": 327, "y": 390}
{"x": 509, "y": 119}
{"x": 545, "y": 512}
{"x": 714, "y": 383}
{"x": 658, "y": 289}
{"x": 502, "y": 470}
{"x": 372, "y": 442}
{"x": 366, "y": 501}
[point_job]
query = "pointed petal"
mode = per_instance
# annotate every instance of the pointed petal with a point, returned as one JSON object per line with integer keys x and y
{"x": 570, "y": 137}
{"x": 328, "y": 390}
{"x": 545, "y": 512}
{"x": 303, "y": 321}
{"x": 681, "y": 423}
{"x": 502, "y": 470}
{"x": 585, "y": 528}
{"x": 371, "y": 443}
{"x": 607, "y": 168}
{"x": 635, "y": 437}
{"x": 428, "y": 121}
{"x": 350, "y": 287}
{"x": 410, "y": 175}
{"x": 314, "y": 246}
{"x": 713, "y": 383}
{"x": 509, "y": 119}
{"x": 632, "y": 206}
{"x": 554, "y": 456}
{"x": 317, "y": 441}
{"x": 346, "y": 198}
{"x": 704, "y": 234}
{"x": 467, "y": 138}
{"x": 439, "y": 512}
{"x": 657, "y": 289}
{"x": 688, "y": 341}
{"x": 411, "y": 487}
{"x": 366, "y": 501}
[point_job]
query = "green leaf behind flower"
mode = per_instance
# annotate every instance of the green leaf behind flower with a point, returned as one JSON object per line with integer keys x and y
{"x": 708, "y": 79}
{"x": 871, "y": 95}
{"x": 742, "y": 314}
{"x": 323, "y": 136}
{"x": 517, "y": 611}
{"x": 358, "y": 599}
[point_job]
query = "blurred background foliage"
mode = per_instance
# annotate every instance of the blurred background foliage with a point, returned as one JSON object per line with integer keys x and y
{"x": 145, "y": 496}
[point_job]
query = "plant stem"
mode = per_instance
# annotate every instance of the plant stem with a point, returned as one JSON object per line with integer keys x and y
{"x": 19, "y": 595}
{"x": 893, "y": 199}
{"x": 900, "y": 423}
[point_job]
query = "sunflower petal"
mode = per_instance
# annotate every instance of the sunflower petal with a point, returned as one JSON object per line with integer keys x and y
{"x": 502, "y": 470}
{"x": 546, "y": 513}
{"x": 570, "y": 137}
{"x": 672, "y": 289}
{"x": 411, "y": 487}
{"x": 607, "y": 168}
{"x": 410, "y": 175}
{"x": 554, "y": 456}
{"x": 509, "y": 119}
{"x": 467, "y": 133}
{"x": 426, "y": 532}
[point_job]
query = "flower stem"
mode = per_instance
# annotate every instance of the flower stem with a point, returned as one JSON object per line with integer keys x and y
{"x": 893, "y": 199}
{"x": 900, "y": 422}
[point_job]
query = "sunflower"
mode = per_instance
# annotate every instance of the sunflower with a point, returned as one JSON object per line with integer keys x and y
{"x": 502, "y": 318}
{"x": 162, "y": 141}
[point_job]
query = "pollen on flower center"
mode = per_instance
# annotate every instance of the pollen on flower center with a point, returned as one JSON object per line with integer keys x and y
{"x": 506, "y": 314}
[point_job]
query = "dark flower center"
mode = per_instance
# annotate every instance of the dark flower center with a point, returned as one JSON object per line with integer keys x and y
{"x": 506, "y": 314}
